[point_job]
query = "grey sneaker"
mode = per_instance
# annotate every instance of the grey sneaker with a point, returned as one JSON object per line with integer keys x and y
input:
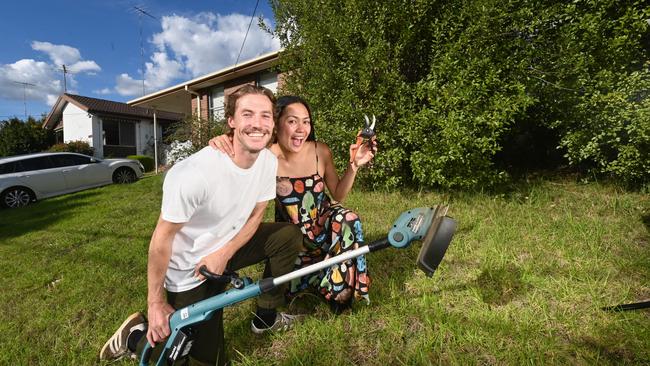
{"x": 116, "y": 346}
{"x": 283, "y": 321}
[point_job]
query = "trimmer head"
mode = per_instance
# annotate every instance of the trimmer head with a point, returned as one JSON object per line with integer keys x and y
{"x": 436, "y": 242}
{"x": 432, "y": 226}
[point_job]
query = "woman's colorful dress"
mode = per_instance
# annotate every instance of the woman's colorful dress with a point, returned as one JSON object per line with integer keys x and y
{"x": 328, "y": 229}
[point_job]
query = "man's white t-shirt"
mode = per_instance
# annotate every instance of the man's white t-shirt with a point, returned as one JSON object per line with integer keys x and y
{"x": 214, "y": 198}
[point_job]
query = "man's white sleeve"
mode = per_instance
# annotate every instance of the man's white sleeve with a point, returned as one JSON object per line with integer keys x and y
{"x": 183, "y": 191}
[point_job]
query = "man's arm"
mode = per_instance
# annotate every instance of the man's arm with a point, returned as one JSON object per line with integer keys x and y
{"x": 160, "y": 250}
{"x": 217, "y": 261}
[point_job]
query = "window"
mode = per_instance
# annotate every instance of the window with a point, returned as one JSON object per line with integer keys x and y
{"x": 119, "y": 132}
{"x": 217, "y": 102}
{"x": 269, "y": 80}
{"x": 80, "y": 160}
{"x": 29, "y": 165}
{"x": 111, "y": 132}
{"x": 69, "y": 160}
{"x": 7, "y": 168}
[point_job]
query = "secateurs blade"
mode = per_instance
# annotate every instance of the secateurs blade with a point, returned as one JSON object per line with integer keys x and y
{"x": 367, "y": 133}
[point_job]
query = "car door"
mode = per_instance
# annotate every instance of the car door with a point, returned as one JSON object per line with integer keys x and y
{"x": 41, "y": 176}
{"x": 81, "y": 171}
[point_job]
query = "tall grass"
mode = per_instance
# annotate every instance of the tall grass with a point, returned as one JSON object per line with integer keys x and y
{"x": 522, "y": 282}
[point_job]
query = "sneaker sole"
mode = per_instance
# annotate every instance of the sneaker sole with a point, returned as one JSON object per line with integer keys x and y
{"x": 132, "y": 320}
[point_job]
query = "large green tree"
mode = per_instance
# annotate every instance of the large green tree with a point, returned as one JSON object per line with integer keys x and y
{"x": 464, "y": 89}
{"x": 23, "y": 137}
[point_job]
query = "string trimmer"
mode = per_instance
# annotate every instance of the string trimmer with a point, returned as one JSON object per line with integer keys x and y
{"x": 428, "y": 224}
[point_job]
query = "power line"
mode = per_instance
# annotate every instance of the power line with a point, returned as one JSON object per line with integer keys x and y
{"x": 248, "y": 29}
{"x": 142, "y": 12}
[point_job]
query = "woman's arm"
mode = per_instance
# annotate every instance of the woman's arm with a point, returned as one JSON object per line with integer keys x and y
{"x": 339, "y": 188}
{"x": 222, "y": 143}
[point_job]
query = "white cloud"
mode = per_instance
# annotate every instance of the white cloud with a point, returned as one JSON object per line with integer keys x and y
{"x": 103, "y": 91}
{"x": 65, "y": 55}
{"x": 188, "y": 47}
{"x": 159, "y": 73}
{"x": 88, "y": 67}
{"x": 59, "y": 54}
{"x": 47, "y": 79}
{"x": 126, "y": 85}
{"x": 43, "y": 77}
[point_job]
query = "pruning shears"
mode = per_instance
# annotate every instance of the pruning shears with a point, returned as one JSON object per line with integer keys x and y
{"x": 367, "y": 133}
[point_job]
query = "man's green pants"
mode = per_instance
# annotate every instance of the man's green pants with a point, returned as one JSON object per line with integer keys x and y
{"x": 277, "y": 244}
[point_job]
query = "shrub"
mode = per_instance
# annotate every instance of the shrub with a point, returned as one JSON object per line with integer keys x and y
{"x": 611, "y": 134}
{"x": 18, "y": 137}
{"x": 81, "y": 147}
{"x": 146, "y": 161}
{"x": 177, "y": 151}
{"x": 189, "y": 136}
{"x": 458, "y": 87}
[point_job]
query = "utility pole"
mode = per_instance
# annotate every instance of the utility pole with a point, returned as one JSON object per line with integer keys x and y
{"x": 25, "y": 85}
{"x": 65, "y": 79}
{"x": 142, "y": 12}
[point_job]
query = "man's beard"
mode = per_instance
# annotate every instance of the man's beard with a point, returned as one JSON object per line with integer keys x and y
{"x": 267, "y": 132}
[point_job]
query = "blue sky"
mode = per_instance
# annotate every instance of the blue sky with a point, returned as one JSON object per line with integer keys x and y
{"x": 99, "y": 42}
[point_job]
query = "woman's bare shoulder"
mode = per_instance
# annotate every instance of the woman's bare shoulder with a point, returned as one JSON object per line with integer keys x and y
{"x": 275, "y": 149}
{"x": 323, "y": 149}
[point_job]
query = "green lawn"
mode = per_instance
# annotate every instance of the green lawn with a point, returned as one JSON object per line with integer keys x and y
{"x": 523, "y": 281}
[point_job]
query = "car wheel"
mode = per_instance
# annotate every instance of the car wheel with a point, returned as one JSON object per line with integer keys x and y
{"x": 15, "y": 197}
{"x": 124, "y": 175}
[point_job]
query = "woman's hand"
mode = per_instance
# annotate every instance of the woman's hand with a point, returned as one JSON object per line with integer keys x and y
{"x": 223, "y": 143}
{"x": 366, "y": 152}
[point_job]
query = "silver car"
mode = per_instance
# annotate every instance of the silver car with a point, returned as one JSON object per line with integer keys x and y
{"x": 27, "y": 178}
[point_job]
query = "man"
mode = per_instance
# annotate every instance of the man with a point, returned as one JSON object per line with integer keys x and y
{"x": 211, "y": 215}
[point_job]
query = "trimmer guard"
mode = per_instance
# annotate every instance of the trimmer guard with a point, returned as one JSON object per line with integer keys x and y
{"x": 432, "y": 226}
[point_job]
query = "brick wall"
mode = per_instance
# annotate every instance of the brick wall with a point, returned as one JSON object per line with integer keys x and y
{"x": 229, "y": 87}
{"x": 204, "y": 103}
{"x": 232, "y": 85}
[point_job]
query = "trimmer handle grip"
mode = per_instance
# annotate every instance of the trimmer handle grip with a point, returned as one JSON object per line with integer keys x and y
{"x": 146, "y": 354}
{"x": 227, "y": 277}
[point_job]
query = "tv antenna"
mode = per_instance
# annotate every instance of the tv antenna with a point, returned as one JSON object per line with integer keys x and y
{"x": 142, "y": 12}
{"x": 25, "y": 85}
{"x": 66, "y": 71}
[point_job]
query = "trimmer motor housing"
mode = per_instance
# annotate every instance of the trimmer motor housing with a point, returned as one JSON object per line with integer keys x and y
{"x": 429, "y": 224}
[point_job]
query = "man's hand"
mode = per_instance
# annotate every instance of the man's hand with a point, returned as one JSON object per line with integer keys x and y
{"x": 158, "y": 314}
{"x": 215, "y": 262}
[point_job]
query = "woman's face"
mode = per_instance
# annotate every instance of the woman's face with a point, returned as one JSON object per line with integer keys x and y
{"x": 294, "y": 127}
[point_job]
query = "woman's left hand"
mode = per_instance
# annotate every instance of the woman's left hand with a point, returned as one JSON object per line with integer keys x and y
{"x": 366, "y": 152}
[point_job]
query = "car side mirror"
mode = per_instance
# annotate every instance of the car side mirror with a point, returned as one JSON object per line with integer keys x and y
{"x": 93, "y": 160}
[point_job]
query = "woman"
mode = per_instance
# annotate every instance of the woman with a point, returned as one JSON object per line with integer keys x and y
{"x": 305, "y": 168}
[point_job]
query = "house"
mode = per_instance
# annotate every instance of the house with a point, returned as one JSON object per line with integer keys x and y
{"x": 112, "y": 129}
{"x": 205, "y": 95}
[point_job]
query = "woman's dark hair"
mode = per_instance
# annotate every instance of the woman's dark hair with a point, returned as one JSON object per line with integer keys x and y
{"x": 282, "y": 103}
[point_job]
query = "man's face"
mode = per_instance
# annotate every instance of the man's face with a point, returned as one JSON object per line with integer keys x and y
{"x": 252, "y": 123}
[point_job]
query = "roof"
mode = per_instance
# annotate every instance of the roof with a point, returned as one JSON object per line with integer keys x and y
{"x": 250, "y": 66}
{"x": 104, "y": 107}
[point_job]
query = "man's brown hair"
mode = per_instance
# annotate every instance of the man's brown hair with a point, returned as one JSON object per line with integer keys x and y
{"x": 231, "y": 101}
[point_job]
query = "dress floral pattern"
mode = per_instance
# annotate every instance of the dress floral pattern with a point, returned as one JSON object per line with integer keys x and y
{"x": 328, "y": 230}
